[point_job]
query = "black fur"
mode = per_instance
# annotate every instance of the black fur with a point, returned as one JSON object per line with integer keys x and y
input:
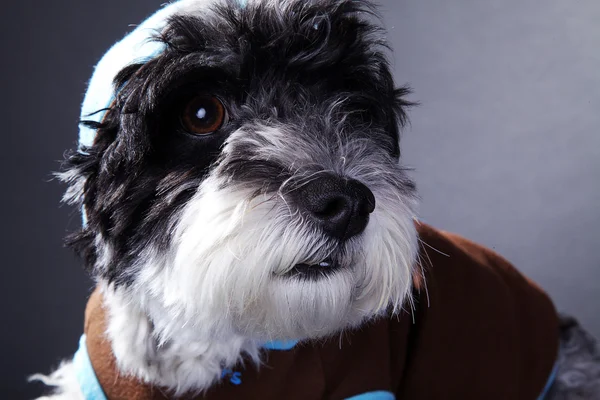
{"x": 267, "y": 65}
{"x": 578, "y": 372}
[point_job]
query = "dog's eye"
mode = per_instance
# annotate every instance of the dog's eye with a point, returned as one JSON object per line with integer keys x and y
{"x": 203, "y": 115}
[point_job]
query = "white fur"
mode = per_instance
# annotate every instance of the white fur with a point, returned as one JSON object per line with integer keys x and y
{"x": 64, "y": 380}
{"x": 172, "y": 352}
{"x": 76, "y": 185}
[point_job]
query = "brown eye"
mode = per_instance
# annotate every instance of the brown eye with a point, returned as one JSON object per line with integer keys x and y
{"x": 203, "y": 115}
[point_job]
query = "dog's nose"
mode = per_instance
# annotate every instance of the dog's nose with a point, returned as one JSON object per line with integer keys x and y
{"x": 340, "y": 206}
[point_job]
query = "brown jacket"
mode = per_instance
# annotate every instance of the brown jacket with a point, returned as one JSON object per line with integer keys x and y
{"x": 480, "y": 330}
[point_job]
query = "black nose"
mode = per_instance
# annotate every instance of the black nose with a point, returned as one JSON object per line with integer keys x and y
{"x": 340, "y": 206}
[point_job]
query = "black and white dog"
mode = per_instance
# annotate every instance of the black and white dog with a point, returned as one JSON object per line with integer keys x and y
{"x": 201, "y": 171}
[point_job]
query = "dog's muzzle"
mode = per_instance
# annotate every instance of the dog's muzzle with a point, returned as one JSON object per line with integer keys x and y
{"x": 341, "y": 208}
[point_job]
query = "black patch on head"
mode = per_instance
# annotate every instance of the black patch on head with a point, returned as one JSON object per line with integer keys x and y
{"x": 268, "y": 65}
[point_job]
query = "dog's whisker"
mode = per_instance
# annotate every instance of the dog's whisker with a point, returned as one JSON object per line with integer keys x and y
{"x": 433, "y": 248}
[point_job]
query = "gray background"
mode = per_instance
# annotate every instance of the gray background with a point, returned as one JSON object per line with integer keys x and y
{"x": 505, "y": 146}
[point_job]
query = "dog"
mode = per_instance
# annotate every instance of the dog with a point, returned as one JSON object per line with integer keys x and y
{"x": 246, "y": 212}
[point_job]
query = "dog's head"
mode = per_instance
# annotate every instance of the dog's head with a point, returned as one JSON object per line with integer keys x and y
{"x": 248, "y": 172}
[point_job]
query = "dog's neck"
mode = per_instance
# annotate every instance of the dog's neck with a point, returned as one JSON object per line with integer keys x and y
{"x": 161, "y": 349}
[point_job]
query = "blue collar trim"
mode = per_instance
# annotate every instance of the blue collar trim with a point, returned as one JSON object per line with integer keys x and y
{"x": 88, "y": 382}
{"x": 280, "y": 345}
{"x": 91, "y": 389}
{"x": 377, "y": 395}
{"x": 550, "y": 382}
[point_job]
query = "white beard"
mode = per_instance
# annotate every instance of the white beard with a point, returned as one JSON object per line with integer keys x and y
{"x": 212, "y": 300}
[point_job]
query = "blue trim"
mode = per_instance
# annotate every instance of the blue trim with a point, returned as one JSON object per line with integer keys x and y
{"x": 280, "y": 345}
{"x": 378, "y": 395}
{"x": 551, "y": 380}
{"x": 88, "y": 382}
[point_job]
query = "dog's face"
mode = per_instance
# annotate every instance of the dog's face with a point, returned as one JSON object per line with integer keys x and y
{"x": 249, "y": 175}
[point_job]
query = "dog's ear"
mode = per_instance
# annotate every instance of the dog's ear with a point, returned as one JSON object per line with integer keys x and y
{"x": 86, "y": 169}
{"x": 80, "y": 171}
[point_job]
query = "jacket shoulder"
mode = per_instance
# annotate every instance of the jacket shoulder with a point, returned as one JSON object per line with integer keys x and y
{"x": 479, "y": 321}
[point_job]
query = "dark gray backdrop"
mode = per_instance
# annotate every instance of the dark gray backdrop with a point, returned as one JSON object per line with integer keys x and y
{"x": 506, "y": 147}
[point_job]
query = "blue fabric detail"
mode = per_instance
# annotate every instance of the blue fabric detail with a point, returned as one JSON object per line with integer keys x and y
{"x": 243, "y": 3}
{"x": 88, "y": 382}
{"x": 551, "y": 380}
{"x": 280, "y": 345}
{"x": 378, "y": 395}
{"x": 233, "y": 376}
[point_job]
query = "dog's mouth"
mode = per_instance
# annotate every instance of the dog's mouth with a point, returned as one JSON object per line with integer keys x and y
{"x": 314, "y": 271}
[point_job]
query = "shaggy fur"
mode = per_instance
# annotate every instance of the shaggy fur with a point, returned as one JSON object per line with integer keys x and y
{"x": 578, "y": 375}
{"x": 197, "y": 238}
{"x": 65, "y": 382}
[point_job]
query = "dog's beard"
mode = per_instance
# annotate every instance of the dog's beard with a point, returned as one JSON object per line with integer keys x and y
{"x": 233, "y": 252}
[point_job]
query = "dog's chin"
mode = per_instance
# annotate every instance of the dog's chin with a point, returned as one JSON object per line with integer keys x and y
{"x": 307, "y": 302}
